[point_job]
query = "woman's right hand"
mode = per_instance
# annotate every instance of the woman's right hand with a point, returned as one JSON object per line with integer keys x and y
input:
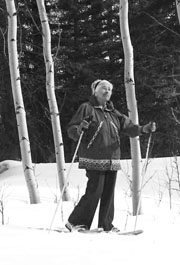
{"x": 84, "y": 125}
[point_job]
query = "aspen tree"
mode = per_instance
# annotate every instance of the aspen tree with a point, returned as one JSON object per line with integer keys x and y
{"x": 131, "y": 103}
{"x": 178, "y": 14}
{"x": 50, "y": 89}
{"x": 18, "y": 103}
{"x": 178, "y": 9}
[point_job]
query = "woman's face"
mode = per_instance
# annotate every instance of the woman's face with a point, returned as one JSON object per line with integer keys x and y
{"x": 103, "y": 92}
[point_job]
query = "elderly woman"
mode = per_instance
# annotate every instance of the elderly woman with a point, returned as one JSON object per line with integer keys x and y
{"x": 99, "y": 155}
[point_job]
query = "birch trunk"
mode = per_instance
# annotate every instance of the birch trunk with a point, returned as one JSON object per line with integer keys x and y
{"x": 131, "y": 103}
{"x": 178, "y": 9}
{"x": 55, "y": 117}
{"x": 18, "y": 103}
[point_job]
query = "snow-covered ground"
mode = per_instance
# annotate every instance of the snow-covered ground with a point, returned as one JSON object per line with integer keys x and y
{"x": 25, "y": 239}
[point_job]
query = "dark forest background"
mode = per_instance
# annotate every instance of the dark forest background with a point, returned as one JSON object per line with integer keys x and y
{"x": 86, "y": 45}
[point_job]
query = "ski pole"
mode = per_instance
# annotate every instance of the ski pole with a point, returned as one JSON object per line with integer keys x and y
{"x": 67, "y": 179}
{"x": 143, "y": 174}
{"x": 88, "y": 119}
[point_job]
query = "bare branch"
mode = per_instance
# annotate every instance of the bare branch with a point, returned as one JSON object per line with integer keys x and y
{"x": 31, "y": 16}
{"x": 174, "y": 116}
{"x": 58, "y": 47}
{"x": 172, "y": 31}
{"x": 177, "y": 82}
{"x": 4, "y": 41}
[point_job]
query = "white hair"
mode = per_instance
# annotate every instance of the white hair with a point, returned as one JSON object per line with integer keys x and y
{"x": 96, "y": 83}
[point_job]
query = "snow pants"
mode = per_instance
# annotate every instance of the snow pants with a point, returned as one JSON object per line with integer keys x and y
{"x": 100, "y": 186}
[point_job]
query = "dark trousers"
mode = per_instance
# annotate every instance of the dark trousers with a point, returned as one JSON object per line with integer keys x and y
{"x": 100, "y": 186}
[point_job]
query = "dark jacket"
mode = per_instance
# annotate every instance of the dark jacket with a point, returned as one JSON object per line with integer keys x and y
{"x": 100, "y": 146}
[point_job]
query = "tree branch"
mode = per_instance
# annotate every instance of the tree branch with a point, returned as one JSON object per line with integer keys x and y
{"x": 4, "y": 41}
{"x": 162, "y": 25}
{"x": 174, "y": 116}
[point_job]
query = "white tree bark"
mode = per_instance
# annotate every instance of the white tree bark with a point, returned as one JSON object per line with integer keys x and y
{"x": 50, "y": 89}
{"x": 178, "y": 9}
{"x": 131, "y": 103}
{"x": 18, "y": 103}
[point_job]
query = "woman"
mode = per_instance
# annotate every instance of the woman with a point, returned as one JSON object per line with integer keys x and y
{"x": 99, "y": 154}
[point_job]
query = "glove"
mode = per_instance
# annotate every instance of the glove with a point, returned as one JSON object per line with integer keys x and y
{"x": 150, "y": 127}
{"x": 84, "y": 125}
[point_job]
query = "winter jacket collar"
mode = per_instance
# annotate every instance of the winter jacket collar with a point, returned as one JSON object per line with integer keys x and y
{"x": 108, "y": 107}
